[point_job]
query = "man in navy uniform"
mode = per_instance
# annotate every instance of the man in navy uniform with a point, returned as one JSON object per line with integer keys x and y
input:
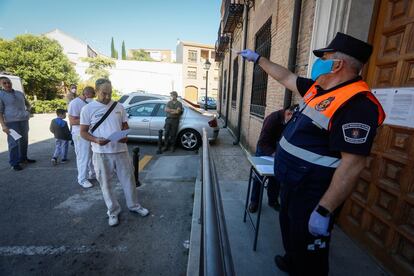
{"x": 323, "y": 148}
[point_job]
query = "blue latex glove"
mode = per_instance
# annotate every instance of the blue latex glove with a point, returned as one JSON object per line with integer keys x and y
{"x": 249, "y": 55}
{"x": 318, "y": 224}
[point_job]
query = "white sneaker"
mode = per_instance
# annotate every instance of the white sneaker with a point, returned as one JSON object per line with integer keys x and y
{"x": 113, "y": 220}
{"x": 140, "y": 210}
{"x": 54, "y": 161}
{"x": 86, "y": 184}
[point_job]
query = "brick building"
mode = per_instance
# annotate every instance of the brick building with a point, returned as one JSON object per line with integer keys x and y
{"x": 380, "y": 212}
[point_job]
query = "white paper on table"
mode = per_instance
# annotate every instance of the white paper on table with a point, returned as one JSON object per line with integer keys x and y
{"x": 265, "y": 169}
{"x": 118, "y": 135}
{"x": 268, "y": 158}
{"x": 16, "y": 136}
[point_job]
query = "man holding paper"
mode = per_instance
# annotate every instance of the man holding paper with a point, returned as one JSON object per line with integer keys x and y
{"x": 99, "y": 120}
{"x": 14, "y": 120}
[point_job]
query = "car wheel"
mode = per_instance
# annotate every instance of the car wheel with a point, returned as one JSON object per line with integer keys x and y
{"x": 190, "y": 139}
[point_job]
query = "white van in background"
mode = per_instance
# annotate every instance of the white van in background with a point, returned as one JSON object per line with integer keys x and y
{"x": 16, "y": 81}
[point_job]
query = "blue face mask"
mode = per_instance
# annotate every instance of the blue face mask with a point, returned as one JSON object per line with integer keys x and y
{"x": 321, "y": 67}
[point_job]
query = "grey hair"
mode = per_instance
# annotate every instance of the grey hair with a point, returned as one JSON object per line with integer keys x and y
{"x": 354, "y": 64}
{"x": 100, "y": 82}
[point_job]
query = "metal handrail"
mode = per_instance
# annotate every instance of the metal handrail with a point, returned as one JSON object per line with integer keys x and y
{"x": 215, "y": 252}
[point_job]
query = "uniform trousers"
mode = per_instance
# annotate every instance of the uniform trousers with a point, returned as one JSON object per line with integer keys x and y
{"x": 120, "y": 164}
{"x": 305, "y": 254}
{"x": 83, "y": 158}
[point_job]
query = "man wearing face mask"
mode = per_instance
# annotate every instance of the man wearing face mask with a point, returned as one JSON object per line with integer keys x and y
{"x": 71, "y": 95}
{"x": 323, "y": 148}
{"x": 82, "y": 147}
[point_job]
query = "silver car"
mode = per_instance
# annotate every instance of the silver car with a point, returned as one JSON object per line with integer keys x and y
{"x": 146, "y": 118}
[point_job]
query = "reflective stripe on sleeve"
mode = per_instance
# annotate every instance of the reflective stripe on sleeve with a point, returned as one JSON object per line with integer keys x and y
{"x": 309, "y": 156}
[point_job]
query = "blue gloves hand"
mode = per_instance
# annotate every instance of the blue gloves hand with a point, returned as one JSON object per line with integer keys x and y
{"x": 318, "y": 224}
{"x": 249, "y": 55}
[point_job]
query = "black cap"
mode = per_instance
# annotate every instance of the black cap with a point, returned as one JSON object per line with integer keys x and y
{"x": 348, "y": 45}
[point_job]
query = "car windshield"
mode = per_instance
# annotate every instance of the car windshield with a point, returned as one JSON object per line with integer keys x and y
{"x": 123, "y": 99}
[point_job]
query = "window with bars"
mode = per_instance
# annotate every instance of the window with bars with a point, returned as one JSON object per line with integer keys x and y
{"x": 192, "y": 56}
{"x": 259, "y": 86}
{"x": 224, "y": 85}
{"x": 192, "y": 73}
{"x": 235, "y": 78}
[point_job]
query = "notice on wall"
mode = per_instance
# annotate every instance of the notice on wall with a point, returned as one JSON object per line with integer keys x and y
{"x": 398, "y": 104}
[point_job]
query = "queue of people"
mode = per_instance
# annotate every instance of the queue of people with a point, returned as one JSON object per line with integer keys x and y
{"x": 319, "y": 147}
{"x": 322, "y": 149}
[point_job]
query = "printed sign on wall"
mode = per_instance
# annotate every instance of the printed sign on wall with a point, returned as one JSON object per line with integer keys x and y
{"x": 398, "y": 104}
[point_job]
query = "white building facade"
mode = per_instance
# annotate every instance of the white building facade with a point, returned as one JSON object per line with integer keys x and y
{"x": 127, "y": 75}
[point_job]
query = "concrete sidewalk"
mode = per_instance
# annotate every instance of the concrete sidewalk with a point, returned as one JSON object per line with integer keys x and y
{"x": 233, "y": 171}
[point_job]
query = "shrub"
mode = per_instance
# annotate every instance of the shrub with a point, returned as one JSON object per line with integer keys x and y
{"x": 47, "y": 106}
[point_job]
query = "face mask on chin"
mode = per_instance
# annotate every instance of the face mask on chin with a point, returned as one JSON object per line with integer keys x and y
{"x": 321, "y": 67}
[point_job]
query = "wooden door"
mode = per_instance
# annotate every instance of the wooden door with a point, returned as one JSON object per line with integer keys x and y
{"x": 191, "y": 94}
{"x": 380, "y": 212}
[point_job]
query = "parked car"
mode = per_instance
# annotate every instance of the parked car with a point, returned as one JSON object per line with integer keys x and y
{"x": 136, "y": 97}
{"x": 146, "y": 118}
{"x": 211, "y": 102}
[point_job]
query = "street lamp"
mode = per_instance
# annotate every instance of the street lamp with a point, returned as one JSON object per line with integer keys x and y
{"x": 207, "y": 65}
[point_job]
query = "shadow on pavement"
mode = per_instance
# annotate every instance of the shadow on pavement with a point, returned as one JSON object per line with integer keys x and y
{"x": 50, "y": 225}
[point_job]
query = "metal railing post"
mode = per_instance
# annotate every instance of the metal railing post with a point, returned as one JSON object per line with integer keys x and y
{"x": 135, "y": 160}
{"x": 159, "y": 151}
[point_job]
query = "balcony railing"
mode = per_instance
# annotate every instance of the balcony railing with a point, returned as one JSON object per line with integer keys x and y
{"x": 222, "y": 42}
{"x": 219, "y": 56}
{"x": 233, "y": 14}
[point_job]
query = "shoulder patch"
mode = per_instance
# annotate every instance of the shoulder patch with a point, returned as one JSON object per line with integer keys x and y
{"x": 355, "y": 133}
{"x": 324, "y": 104}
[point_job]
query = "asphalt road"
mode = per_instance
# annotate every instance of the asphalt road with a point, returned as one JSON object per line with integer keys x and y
{"x": 52, "y": 226}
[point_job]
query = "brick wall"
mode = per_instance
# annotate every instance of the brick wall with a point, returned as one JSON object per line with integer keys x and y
{"x": 281, "y": 13}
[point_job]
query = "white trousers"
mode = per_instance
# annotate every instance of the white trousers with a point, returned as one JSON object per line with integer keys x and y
{"x": 83, "y": 158}
{"x": 108, "y": 164}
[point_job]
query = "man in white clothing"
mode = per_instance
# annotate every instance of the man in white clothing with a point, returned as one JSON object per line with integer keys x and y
{"x": 110, "y": 157}
{"x": 83, "y": 149}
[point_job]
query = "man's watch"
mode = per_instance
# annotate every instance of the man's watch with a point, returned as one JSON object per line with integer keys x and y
{"x": 323, "y": 211}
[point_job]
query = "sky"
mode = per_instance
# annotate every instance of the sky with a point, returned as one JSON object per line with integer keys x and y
{"x": 154, "y": 24}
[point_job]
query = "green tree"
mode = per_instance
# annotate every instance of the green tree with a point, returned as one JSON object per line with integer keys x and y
{"x": 41, "y": 64}
{"x": 141, "y": 55}
{"x": 98, "y": 67}
{"x": 114, "y": 52}
{"x": 123, "y": 50}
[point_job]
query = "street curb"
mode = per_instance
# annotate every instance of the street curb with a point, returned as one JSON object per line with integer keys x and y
{"x": 193, "y": 265}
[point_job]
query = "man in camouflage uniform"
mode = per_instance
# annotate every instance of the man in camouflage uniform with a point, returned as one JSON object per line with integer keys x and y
{"x": 174, "y": 109}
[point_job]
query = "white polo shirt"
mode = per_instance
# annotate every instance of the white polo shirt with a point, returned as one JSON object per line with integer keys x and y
{"x": 93, "y": 112}
{"x": 74, "y": 109}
